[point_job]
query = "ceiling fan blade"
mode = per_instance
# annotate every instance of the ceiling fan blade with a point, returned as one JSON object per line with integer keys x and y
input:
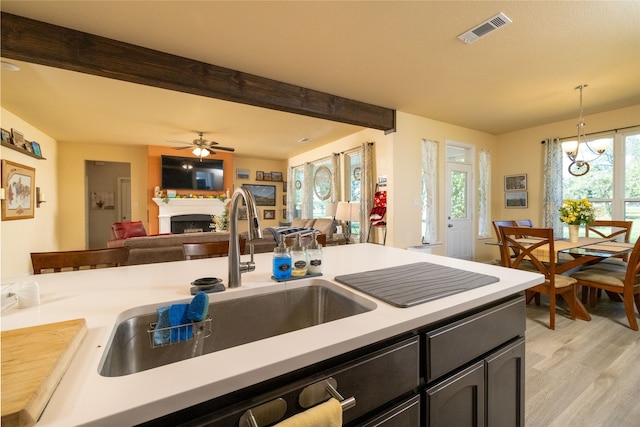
{"x": 223, "y": 148}
{"x": 183, "y": 148}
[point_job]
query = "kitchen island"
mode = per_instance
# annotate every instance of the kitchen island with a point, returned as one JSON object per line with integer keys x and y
{"x": 99, "y": 296}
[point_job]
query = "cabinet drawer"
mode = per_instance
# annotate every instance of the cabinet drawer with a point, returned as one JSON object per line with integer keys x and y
{"x": 405, "y": 414}
{"x": 458, "y": 343}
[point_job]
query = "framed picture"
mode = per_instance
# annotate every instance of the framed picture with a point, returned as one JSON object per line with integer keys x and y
{"x": 19, "y": 182}
{"x": 17, "y": 138}
{"x": 515, "y": 199}
{"x": 259, "y": 176}
{"x": 28, "y": 146}
{"x": 36, "y": 148}
{"x": 242, "y": 173}
{"x": 267, "y": 176}
{"x": 265, "y": 195}
{"x": 515, "y": 182}
{"x": 269, "y": 214}
{"x": 242, "y": 213}
{"x": 276, "y": 176}
{"x": 284, "y": 199}
{"x": 5, "y": 135}
{"x": 284, "y": 186}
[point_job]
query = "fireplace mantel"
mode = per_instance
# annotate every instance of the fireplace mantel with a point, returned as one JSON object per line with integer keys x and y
{"x": 180, "y": 206}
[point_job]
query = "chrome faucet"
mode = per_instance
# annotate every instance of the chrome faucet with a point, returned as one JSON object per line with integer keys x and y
{"x": 236, "y": 267}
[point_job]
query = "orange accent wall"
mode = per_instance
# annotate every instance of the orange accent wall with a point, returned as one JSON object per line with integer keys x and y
{"x": 155, "y": 179}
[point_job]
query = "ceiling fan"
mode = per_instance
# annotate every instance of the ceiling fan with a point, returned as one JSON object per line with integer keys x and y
{"x": 202, "y": 147}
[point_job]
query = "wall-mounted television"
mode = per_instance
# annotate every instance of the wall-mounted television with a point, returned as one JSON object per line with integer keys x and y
{"x": 188, "y": 173}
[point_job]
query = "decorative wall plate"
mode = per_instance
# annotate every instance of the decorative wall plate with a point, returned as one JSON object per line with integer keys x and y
{"x": 322, "y": 183}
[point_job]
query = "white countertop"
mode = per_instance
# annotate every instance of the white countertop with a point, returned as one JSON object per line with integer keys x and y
{"x": 85, "y": 397}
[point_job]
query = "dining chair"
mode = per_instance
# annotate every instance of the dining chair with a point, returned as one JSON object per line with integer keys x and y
{"x": 209, "y": 249}
{"x": 625, "y": 283}
{"x": 609, "y": 230}
{"x": 524, "y": 223}
{"x": 291, "y": 239}
{"x": 496, "y": 227}
{"x": 554, "y": 284}
{"x": 77, "y": 260}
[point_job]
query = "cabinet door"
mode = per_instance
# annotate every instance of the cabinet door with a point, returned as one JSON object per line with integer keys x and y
{"x": 459, "y": 400}
{"x": 505, "y": 386}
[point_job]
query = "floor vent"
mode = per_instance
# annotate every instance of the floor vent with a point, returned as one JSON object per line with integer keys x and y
{"x": 488, "y": 26}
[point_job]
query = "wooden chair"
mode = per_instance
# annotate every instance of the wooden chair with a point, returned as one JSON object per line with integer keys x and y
{"x": 625, "y": 283}
{"x": 554, "y": 284}
{"x": 524, "y": 223}
{"x": 76, "y": 260}
{"x": 609, "y": 230}
{"x": 496, "y": 227}
{"x": 209, "y": 249}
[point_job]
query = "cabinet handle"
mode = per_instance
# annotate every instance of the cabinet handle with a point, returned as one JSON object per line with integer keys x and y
{"x": 316, "y": 393}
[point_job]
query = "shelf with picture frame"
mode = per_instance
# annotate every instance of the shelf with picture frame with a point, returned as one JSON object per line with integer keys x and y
{"x": 15, "y": 141}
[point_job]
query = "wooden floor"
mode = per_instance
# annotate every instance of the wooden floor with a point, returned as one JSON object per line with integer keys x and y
{"x": 583, "y": 374}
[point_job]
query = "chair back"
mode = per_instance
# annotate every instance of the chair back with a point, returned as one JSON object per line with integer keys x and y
{"x": 209, "y": 249}
{"x": 609, "y": 229}
{"x": 76, "y": 260}
{"x": 633, "y": 267}
{"x": 498, "y": 224}
{"x": 531, "y": 250}
{"x": 524, "y": 223}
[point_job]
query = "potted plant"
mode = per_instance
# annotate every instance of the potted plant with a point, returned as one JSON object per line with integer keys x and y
{"x": 575, "y": 212}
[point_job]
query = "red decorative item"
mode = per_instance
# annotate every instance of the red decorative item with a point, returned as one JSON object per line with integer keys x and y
{"x": 380, "y": 199}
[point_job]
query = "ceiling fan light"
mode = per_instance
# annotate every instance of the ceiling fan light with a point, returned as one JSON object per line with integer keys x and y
{"x": 204, "y": 152}
{"x": 197, "y": 151}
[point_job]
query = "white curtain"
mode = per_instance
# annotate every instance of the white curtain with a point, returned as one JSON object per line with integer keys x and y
{"x": 291, "y": 199}
{"x": 552, "y": 188}
{"x": 429, "y": 175}
{"x": 366, "y": 188}
{"x": 307, "y": 191}
{"x": 335, "y": 178}
{"x": 484, "y": 192}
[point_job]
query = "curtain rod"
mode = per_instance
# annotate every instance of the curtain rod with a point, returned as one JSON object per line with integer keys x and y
{"x": 602, "y": 131}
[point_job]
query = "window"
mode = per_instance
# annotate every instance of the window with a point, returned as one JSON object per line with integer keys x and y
{"x": 312, "y": 188}
{"x": 613, "y": 181}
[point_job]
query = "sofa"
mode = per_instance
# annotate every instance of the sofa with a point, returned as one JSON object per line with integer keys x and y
{"x": 148, "y": 249}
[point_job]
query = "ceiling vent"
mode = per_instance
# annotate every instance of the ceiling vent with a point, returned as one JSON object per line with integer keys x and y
{"x": 488, "y": 26}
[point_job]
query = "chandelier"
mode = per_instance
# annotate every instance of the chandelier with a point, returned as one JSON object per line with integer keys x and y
{"x": 576, "y": 150}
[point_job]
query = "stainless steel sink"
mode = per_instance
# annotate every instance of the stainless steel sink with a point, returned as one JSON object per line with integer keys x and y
{"x": 234, "y": 322}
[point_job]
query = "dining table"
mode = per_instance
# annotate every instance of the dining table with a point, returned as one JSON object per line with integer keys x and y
{"x": 571, "y": 256}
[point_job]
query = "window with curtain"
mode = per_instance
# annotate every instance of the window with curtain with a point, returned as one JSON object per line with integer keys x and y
{"x": 298, "y": 178}
{"x": 353, "y": 182}
{"x": 484, "y": 195}
{"x": 313, "y": 188}
{"x": 613, "y": 181}
{"x": 429, "y": 174}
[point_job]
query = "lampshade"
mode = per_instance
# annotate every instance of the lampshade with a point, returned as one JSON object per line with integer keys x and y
{"x": 330, "y": 209}
{"x": 343, "y": 211}
{"x": 200, "y": 152}
{"x": 355, "y": 212}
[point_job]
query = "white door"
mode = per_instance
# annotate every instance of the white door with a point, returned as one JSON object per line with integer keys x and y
{"x": 459, "y": 210}
{"x": 124, "y": 199}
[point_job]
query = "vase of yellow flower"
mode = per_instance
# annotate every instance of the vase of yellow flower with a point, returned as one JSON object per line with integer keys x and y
{"x": 575, "y": 212}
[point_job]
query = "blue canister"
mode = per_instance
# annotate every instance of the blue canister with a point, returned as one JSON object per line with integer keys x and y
{"x": 281, "y": 262}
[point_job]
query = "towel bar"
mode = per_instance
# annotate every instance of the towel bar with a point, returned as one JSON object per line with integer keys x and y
{"x": 318, "y": 392}
{"x": 265, "y": 414}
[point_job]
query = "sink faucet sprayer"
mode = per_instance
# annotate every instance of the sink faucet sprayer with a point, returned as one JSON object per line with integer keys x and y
{"x": 236, "y": 267}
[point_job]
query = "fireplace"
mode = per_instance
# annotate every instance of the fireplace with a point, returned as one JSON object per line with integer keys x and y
{"x": 193, "y": 223}
{"x": 170, "y": 208}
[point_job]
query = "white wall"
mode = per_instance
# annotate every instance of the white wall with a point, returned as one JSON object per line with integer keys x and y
{"x": 39, "y": 234}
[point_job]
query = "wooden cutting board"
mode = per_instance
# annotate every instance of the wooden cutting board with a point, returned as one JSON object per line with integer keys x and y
{"x": 33, "y": 362}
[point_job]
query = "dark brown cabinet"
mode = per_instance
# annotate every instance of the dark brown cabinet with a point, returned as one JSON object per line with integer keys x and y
{"x": 463, "y": 371}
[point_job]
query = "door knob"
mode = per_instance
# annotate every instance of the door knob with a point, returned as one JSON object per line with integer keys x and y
{"x": 449, "y": 225}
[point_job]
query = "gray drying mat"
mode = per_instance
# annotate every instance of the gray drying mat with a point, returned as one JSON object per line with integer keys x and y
{"x": 413, "y": 284}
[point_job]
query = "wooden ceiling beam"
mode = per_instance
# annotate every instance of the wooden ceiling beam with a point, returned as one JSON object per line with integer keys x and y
{"x": 46, "y": 44}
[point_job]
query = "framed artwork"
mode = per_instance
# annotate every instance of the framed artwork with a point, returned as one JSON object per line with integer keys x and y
{"x": 28, "y": 146}
{"x": 19, "y": 182}
{"x": 5, "y": 135}
{"x": 36, "y": 148}
{"x": 284, "y": 199}
{"x": 322, "y": 183}
{"x": 267, "y": 176}
{"x": 515, "y": 199}
{"x": 17, "y": 138}
{"x": 242, "y": 173}
{"x": 276, "y": 176}
{"x": 284, "y": 186}
{"x": 515, "y": 182}
{"x": 242, "y": 213}
{"x": 265, "y": 195}
{"x": 259, "y": 176}
{"x": 269, "y": 214}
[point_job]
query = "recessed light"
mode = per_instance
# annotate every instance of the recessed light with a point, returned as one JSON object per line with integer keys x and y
{"x": 9, "y": 66}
